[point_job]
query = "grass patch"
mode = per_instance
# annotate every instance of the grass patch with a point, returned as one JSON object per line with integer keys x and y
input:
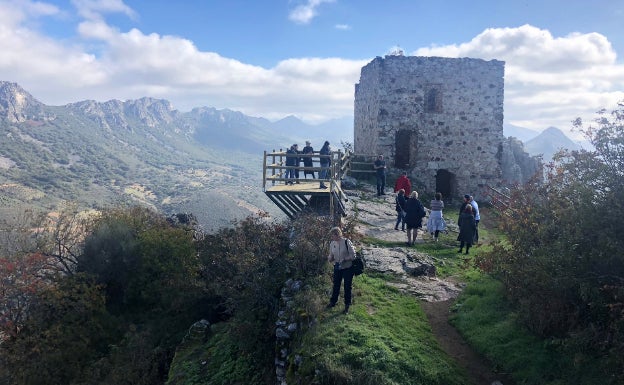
{"x": 488, "y": 322}
{"x": 386, "y": 339}
{"x": 219, "y": 360}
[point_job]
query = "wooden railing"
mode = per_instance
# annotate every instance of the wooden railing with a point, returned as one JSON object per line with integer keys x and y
{"x": 274, "y": 171}
{"x": 274, "y": 167}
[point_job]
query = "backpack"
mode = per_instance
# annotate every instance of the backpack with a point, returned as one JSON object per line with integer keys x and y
{"x": 357, "y": 264}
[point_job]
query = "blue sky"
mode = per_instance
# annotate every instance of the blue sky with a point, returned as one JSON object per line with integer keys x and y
{"x": 302, "y": 57}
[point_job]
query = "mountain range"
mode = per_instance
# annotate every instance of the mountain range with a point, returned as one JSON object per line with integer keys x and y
{"x": 206, "y": 161}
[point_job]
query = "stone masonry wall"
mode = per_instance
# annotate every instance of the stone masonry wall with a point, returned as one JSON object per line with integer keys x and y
{"x": 440, "y": 119}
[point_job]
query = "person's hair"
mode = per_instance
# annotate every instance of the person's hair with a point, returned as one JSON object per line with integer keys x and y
{"x": 335, "y": 231}
{"x": 414, "y": 194}
{"x": 405, "y": 173}
{"x": 401, "y": 191}
{"x": 438, "y": 196}
{"x": 468, "y": 209}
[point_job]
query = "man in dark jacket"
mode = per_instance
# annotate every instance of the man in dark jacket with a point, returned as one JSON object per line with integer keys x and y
{"x": 325, "y": 162}
{"x": 380, "y": 168}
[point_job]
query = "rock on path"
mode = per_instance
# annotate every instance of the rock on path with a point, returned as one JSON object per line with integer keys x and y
{"x": 375, "y": 217}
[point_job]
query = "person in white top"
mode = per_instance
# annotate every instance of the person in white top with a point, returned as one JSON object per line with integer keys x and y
{"x": 341, "y": 254}
{"x": 475, "y": 211}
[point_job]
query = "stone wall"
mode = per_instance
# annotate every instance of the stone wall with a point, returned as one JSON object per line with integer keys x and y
{"x": 440, "y": 119}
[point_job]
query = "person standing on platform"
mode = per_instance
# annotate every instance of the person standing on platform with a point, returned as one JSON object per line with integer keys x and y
{"x": 325, "y": 162}
{"x": 307, "y": 160}
{"x": 291, "y": 161}
{"x": 297, "y": 162}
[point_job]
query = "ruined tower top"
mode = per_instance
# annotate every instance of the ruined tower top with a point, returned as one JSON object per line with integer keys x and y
{"x": 440, "y": 119}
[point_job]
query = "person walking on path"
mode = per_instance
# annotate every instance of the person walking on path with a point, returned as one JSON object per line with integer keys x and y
{"x": 477, "y": 217}
{"x": 415, "y": 212}
{"x": 436, "y": 222}
{"x": 325, "y": 162}
{"x": 404, "y": 183}
{"x": 400, "y": 209}
{"x": 467, "y": 226}
{"x": 380, "y": 168}
{"x": 341, "y": 255}
{"x": 307, "y": 160}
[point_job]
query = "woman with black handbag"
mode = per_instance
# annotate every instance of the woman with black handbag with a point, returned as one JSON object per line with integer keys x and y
{"x": 341, "y": 254}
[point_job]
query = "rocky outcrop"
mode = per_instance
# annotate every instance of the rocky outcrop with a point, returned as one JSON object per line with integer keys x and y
{"x": 146, "y": 112}
{"x": 17, "y": 105}
{"x": 516, "y": 164}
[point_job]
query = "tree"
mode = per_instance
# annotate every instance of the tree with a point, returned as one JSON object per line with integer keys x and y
{"x": 20, "y": 282}
{"x": 67, "y": 328}
{"x": 144, "y": 261}
{"x": 59, "y": 235}
{"x": 562, "y": 262}
{"x": 246, "y": 265}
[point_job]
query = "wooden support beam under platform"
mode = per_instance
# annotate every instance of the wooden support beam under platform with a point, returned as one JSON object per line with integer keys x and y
{"x": 295, "y": 198}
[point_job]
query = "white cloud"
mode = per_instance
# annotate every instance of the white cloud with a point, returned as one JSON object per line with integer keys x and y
{"x": 343, "y": 27}
{"x": 548, "y": 80}
{"x": 132, "y": 64}
{"x": 304, "y": 13}
{"x": 12, "y": 14}
{"x": 94, "y": 9}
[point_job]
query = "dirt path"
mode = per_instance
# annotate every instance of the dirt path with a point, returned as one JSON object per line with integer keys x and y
{"x": 456, "y": 347}
{"x": 377, "y": 218}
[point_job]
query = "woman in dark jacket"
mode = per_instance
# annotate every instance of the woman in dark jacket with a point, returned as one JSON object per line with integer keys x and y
{"x": 467, "y": 228}
{"x": 415, "y": 212}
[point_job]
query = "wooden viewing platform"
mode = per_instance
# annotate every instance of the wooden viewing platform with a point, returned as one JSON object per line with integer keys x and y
{"x": 306, "y": 195}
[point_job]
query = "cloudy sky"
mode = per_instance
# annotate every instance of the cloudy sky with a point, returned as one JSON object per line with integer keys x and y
{"x": 275, "y": 58}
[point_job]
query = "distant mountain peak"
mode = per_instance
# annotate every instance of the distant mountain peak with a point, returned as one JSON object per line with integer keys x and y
{"x": 549, "y": 142}
{"x": 17, "y": 105}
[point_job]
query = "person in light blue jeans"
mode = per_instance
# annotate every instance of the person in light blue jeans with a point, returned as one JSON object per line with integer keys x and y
{"x": 400, "y": 209}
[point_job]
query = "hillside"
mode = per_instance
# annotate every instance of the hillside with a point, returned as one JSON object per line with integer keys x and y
{"x": 205, "y": 161}
{"x": 398, "y": 329}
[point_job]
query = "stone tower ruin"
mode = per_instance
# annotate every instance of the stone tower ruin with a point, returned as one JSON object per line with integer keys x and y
{"x": 439, "y": 119}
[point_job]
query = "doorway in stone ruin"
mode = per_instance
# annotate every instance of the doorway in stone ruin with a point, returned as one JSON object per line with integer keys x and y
{"x": 446, "y": 184}
{"x": 402, "y": 146}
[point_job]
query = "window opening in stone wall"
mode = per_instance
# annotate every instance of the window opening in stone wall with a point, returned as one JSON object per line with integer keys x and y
{"x": 446, "y": 184}
{"x": 402, "y": 142}
{"x": 433, "y": 100}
